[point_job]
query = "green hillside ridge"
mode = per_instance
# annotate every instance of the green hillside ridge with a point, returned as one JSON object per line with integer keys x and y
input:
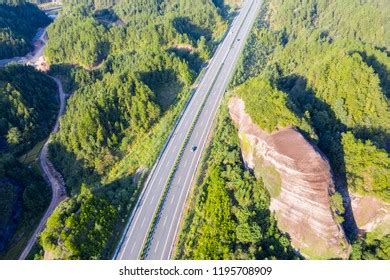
{"x": 326, "y": 72}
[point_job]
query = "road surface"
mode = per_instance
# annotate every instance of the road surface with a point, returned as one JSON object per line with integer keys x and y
{"x": 51, "y": 175}
{"x": 194, "y": 125}
{"x": 34, "y": 57}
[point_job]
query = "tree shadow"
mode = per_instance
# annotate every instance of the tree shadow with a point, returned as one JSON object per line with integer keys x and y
{"x": 192, "y": 58}
{"x": 74, "y": 171}
{"x": 122, "y": 194}
{"x": 73, "y": 77}
{"x": 384, "y": 50}
{"x": 272, "y": 245}
{"x": 379, "y": 137}
{"x": 165, "y": 84}
{"x": 106, "y": 17}
{"x": 24, "y": 196}
{"x": 184, "y": 26}
{"x": 11, "y": 209}
{"x": 303, "y": 102}
{"x": 380, "y": 69}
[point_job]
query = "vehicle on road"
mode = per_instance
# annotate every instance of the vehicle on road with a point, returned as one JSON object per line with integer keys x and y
{"x": 194, "y": 148}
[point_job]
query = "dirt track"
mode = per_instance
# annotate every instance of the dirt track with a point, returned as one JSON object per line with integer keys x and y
{"x": 51, "y": 175}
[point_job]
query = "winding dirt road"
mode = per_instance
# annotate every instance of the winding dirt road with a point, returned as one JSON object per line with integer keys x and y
{"x": 52, "y": 176}
{"x": 33, "y": 58}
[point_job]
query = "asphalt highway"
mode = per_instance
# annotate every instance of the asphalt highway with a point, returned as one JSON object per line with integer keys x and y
{"x": 194, "y": 125}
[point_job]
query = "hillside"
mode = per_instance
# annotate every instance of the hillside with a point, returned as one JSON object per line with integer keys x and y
{"x": 28, "y": 108}
{"x": 19, "y": 22}
{"x": 320, "y": 67}
{"x": 333, "y": 76}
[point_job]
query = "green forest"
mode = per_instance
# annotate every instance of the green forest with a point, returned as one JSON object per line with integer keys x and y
{"x": 333, "y": 87}
{"x": 325, "y": 65}
{"x": 19, "y": 22}
{"x": 321, "y": 66}
{"x": 130, "y": 66}
{"x": 29, "y": 105}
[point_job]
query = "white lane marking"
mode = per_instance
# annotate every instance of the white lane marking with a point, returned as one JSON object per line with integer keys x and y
{"x": 173, "y": 198}
{"x": 143, "y": 221}
{"x": 165, "y": 220}
{"x": 179, "y": 180}
{"x": 217, "y": 101}
{"x": 148, "y": 187}
{"x": 155, "y": 249}
{"x": 132, "y": 248}
{"x": 159, "y": 181}
{"x": 151, "y": 201}
{"x": 170, "y": 145}
{"x": 174, "y": 215}
{"x": 141, "y": 209}
{"x": 185, "y": 163}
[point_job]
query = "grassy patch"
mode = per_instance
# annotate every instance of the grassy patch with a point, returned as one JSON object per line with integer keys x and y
{"x": 32, "y": 155}
{"x": 271, "y": 177}
{"x": 246, "y": 147}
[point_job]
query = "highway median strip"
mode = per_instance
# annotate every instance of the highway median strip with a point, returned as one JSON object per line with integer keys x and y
{"x": 171, "y": 175}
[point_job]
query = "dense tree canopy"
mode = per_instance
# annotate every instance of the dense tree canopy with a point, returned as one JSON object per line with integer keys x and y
{"x": 363, "y": 21}
{"x": 29, "y": 102}
{"x": 372, "y": 247}
{"x": 367, "y": 167}
{"x": 275, "y": 110}
{"x": 18, "y": 25}
{"x": 83, "y": 44}
{"x": 80, "y": 227}
{"x": 24, "y": 197}
{"x": 97, "y": 123}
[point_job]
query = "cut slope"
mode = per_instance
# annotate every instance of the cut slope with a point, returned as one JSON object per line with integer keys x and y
{"x": 300, "y": 182}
